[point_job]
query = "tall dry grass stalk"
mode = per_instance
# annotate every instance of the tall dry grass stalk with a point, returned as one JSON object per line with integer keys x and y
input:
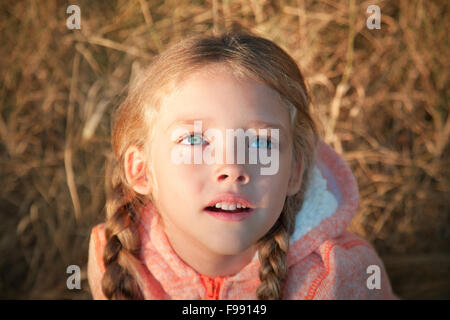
{"x": 382, "y": 96}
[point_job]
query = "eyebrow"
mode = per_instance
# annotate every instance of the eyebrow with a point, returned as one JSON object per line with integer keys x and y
{"x": 253, "y": 123}
{"x": 188, "y": 121}
{"x": 263, "y": 124}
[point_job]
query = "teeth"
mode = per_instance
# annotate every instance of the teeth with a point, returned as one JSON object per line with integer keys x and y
{"x": 229, "y": 206}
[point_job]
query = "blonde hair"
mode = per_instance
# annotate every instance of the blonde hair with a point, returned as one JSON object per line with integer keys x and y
{"x": 246, "y": 55}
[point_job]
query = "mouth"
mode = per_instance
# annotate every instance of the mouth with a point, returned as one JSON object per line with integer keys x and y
{"x": 229, "y": 206}
{"x": 234, "y": 211}
{"x": 230, "y": 215}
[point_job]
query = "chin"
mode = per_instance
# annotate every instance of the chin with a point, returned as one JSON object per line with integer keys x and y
{"x": 228, "y": 245}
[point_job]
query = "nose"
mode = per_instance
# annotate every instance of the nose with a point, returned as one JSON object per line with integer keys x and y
{"x": 231, "y": 173}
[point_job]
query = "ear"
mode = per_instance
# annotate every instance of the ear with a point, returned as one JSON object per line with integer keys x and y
{"x": 136, "y": 171}
{"x": 295, "y": 180}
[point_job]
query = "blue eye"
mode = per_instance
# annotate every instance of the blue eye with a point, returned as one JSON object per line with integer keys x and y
{"x": 267, "y": 143}
{"x": 193, "y": 139}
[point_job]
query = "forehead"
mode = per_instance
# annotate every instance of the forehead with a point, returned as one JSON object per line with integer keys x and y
{"x": 221, "y": 96}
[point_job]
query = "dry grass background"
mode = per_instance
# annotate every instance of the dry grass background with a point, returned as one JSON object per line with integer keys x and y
{"x": 381, "y": 94}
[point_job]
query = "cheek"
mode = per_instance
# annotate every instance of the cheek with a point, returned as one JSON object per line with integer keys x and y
{"x": 189, "y": 179}
{"x": 177, "y": 181}
{"x": 282, "y": 176}
{"x": 278, "y": 185}
{"x": 278, "y": 192}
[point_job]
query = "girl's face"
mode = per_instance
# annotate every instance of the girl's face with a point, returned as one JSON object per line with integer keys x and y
{"x": 182, "y": 191}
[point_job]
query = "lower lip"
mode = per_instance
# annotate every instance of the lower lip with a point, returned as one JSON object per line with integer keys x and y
{"x": 238, "y": 216}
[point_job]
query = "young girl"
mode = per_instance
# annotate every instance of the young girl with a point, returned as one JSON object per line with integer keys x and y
{"x": 224, "y": 230}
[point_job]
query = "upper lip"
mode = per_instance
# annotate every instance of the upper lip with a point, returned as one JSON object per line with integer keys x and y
{"x": 230, "y": 198}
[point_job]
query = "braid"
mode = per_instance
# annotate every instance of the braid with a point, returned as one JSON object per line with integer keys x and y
{"x": 273, "y": 250}
{"x": 120, "y": 255}
{"x": 274, "y": 246}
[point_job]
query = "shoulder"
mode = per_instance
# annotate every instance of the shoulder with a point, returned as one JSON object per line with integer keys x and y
{"x": 346, "y": 267}
{"x": 96, "y": 267}
{"x": 97, "y": 241}
{"x": 353, "y": 270}
{"x": 98, "y": 231}
{"x": 150, "y": 287}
